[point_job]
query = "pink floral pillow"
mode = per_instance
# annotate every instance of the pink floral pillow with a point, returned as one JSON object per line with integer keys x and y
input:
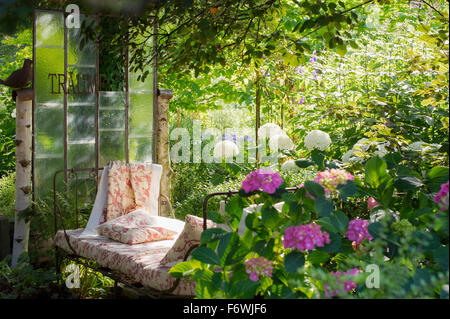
{"x": 141, "y": 180}
{"x": 120, "y": 200}
{"x": 190, "y": 236}
{"x": 135, "y": 228}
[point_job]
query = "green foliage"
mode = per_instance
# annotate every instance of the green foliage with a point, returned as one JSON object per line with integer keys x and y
{"x": 411, "y": 253}
{"x": 27, "y": 282}
{"x": 15, "y": 50}
{"x": 7, "y": 195}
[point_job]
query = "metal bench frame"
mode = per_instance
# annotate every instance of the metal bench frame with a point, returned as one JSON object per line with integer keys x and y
{"x": 118, "y": 277}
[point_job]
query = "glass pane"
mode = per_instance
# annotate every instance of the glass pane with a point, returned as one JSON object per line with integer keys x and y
{"x": 49, "y": 29}
{"x": 140, "y": 114}
{"x": 112, "y": 99}
{"x": 44, "y": 170}
{"x": 81, "y": 155}
{"x": 81, "y": 123}
{"x": 49, "y": 130}
{"x": 112, "y": 119}
{"x": 140, "y": 149}
{"x": 49, "y": 68}
{"x": 140, "y": 85}
{"x": 81, "y": 80}
{"x": 86, "y": 56}
{"x": 112, "y": 146}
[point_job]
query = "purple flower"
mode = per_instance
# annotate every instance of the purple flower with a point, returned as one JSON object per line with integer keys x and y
{"x": 305, "y": 237}
{"x": 302, "y": 100}
{"x": 299, "y": 70}
{"x": 264, "y": 179}
{"x": 315, "y": 74}
{"x": 441, "y": 198}
{"x": 357, "y": 231}
{"x": 258, "y": 267}
{"x": 313, "y": 57}
{"x": 348, "y": 285}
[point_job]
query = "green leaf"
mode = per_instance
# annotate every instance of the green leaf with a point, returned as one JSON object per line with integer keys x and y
{"x": 407, "y": 183}
{"x": 334, "y": 245}
{"x": 375, "y": 229}
{"x": 269, "y": 216}
{"x": 347, "y": 190}
{"x": 324, "y": 206}
{"x": 184, "y": 268}
{"x": 217, "y": 179}
{"x": 376, "y": 172}
{"x": 294, "y": 261}
{"x": 318, "y": 158}
{"x": 317, "y": 257}
{"x": 211, "y": 234}
{"x": 304, "y": 163}
{"x": 206, "y": 255}
{"x": 341, "y": 49}
{"x": 244, "y": 289}
{"x": 314, "y": 189}
{"x": 340, "y": 221}
{"x": 326, "y": 223}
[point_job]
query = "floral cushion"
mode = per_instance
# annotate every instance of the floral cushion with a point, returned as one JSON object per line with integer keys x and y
{"x": 193, "y": 228}
{"x": 135, "y": 228}
{"x": 140, "y": 262}
{"x": 141, "y": 181}
{"x": 120, "y": 199}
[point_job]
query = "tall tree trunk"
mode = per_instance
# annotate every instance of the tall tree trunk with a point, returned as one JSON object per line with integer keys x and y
{"x": 163, "y": 144}
{"x": 23, "y": 171}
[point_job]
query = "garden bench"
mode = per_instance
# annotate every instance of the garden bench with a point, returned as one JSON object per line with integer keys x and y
{"x": 135, "y": 266}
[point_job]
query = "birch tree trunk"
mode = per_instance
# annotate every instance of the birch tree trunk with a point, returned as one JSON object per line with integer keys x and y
{"x": 23, "y": 171}
{"x": 163, "y": 144}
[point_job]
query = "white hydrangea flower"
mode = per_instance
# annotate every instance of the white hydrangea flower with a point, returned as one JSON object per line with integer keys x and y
{"x": 281, "y": 142}
{"x": 290, "y": 166}
{"x": 317, "y": 139}
{"x": 225, "y": 149}
{"x": 13, "y": 113}
{"x": 268, "y": 130}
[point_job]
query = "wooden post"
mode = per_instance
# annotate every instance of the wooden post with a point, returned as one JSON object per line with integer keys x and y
{"x": 23, "y": 171}
{"x": 5, "y": 245}
{"x": 163, "y": 144}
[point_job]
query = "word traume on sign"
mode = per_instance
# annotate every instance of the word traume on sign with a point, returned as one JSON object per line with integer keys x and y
{"x": 81, "y": 83}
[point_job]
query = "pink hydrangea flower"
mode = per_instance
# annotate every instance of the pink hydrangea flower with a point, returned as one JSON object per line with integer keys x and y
{"x": 348, "y": 285}
{"x": 331, "y": 179}
{"x": 305, "y": 237}
{"x": 258, "y": 267}
{"x": 441, "y": 198}
{"x": 372, "y": 203}
{"x": 264, "y": 179}
{"x": 357, "y": 231}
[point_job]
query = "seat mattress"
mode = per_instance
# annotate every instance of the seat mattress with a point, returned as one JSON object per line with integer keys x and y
{"x": 140, "y": 261}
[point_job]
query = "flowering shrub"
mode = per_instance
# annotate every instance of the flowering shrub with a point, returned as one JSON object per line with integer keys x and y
{"x": 263, "y": 179}
{"x": 357, "y": 231}
{"x": 305, "y": 237}
{"x": 317, "y": 139}
{"x": 258, "y": 267}
{"x": 312, "y": 249}
{"x": 331, "y": 179}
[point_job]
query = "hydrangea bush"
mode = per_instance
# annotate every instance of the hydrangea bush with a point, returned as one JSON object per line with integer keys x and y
{"x": 316, "y": 247}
